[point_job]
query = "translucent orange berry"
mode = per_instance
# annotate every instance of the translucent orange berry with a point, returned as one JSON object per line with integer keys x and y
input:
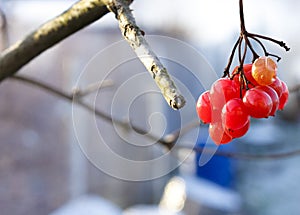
{"x": 264, "y": 71}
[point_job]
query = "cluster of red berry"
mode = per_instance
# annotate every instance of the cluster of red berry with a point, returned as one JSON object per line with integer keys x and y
{"x": 256, "y": 92}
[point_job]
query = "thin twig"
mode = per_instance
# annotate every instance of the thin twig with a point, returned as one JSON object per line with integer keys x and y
{"x": 280, "y": 43}
{"x": 246, "y": 156}
{"x": 240, "y": 51}
{"x": 88, "y": 107}
{"x": 188, "y": 127}
{"x": 254, "y": 53}
{"x": 227, "y": 68}
{"x": 135, "y": 37}
{"x": 78, "y": 93}
{"x": 265, "y": 50}
{"x": 242, "y": 19}
{"x": 167, "y": 141}
{"x": 244, "y": 36}
{"x": 294, "y": 89}
{"x": 78, "y": 16}
{"x": 3, "y": 31}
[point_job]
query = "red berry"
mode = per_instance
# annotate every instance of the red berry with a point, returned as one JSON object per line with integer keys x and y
{"x": 222, "y": 91}
{"x": 234, "y": 115}
{"x": 238, "y": 84}
{"x": 218, "y": 134}
{"x": 277, "y": 86}
{"x": 216, "y": 116}
{"x": 247, "y": 68}
{"x": 203, "y": 107}
{"x": 257, "y": 103}
{"x": 272, "y": 93}
{"x": 239, "y": 132}
{"x": 247, "y": 72}
{"x": 284, "y": 97}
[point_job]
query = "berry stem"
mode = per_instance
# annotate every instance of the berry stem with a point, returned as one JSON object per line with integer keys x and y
{"x": 254, "y": 53}
{"x": 243, "y": 57}
{"x": 280, "y": 43}
{"x": 227, "y": 68}
{"x": 265, "y": 50}
{"x": 242, "y": 19}
{"x": 242, "y": 48}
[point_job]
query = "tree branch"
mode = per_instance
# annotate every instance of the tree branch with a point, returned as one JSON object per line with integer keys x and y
{"x": 75, "y": 18}
{"x": 168, "y": 140}
{"x": 78, "y": 93}
{"x": 135, "y": 37}
{"x": 72, "y": 98}
{"x": 295, "y": 89}
{"x": 246, "y": 156}
{"x": 78, "y": 16}
{"x": 3, "y": 31}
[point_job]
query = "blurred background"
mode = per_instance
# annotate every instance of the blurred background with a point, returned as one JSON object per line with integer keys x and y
{"x": 48, "y": 167}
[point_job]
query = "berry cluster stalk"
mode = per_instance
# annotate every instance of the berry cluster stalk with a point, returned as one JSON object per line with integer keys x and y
{"x": 245, "y": 38}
